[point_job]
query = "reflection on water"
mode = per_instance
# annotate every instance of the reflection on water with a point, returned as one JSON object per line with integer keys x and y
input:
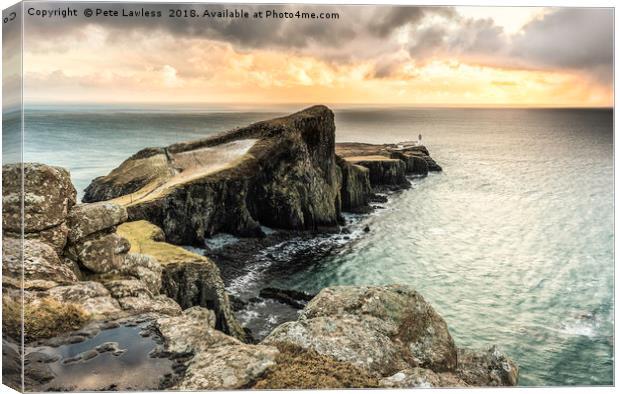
{"x": 114, "y": 359}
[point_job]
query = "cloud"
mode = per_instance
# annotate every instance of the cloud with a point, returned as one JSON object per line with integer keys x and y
{"x": 570, "y": 38}
{"x": 394, "y": 41}
{"x": 336, "y": 37}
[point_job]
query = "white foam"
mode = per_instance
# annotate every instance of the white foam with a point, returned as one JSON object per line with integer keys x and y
{"x": 220, "y": 240}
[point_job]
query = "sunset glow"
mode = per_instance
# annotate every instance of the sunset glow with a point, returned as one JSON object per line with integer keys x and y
{"x": 442, "y": 57}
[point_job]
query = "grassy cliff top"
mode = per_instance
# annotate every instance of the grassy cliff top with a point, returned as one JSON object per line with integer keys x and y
{"x": 147, "y": 238}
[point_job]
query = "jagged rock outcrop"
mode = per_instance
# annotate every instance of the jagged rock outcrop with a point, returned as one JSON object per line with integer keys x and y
{"x": 82, "y": 265}
{"x": 188, "y": 278}
{"x": 391, "y": 331}
{"x": 416, "y": 157}
{"x": 279, "y": 173}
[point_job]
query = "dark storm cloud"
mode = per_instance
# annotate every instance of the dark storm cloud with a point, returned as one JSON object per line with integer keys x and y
{"x": 395, "y": 17}
{"x": 566, "y": 38}
{"x": 570, "y": 38}
{"x": 353, "y": 22}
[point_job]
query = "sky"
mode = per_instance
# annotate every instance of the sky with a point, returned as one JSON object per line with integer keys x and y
{"x": 382, "y": 55}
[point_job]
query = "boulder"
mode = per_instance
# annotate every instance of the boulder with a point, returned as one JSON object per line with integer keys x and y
{"x": 487, "y": 368}
{"x": 396, "y": 325}
{"x": 362, "y": 341}
{"x": 187, "y": 278}
{"x": 87, "y": 219}
{"x": 144, "y": 303}
{"x": 120, "y": 288}
{"x": 219, "y": 361}
{"x": 279, "y": 173}
{"x": 134, "y": 296}
{"x": 48, "y": 197}
{"x": 100, "y": 253}
{"x": 39, "y": 262}
{"x": 421, "y": 378}
{"x": 192, "y": 332}
{"x": 55, "y": 236}
{"x": 144, "y": 268}
{"x": 228, "y": 367}
{"x": 93, "y": 297}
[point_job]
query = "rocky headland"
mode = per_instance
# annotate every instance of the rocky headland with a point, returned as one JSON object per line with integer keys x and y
{"x": 108, "y": 279}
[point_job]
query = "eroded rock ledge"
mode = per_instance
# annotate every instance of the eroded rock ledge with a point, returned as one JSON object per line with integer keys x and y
{"x": 348, "y": 336}
{"x": 285, "y": 173}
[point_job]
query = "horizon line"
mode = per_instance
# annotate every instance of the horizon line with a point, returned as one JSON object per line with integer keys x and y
{"x": 129, "y": 104}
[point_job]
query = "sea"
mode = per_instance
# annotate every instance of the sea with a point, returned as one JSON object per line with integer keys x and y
{"x": 513, "y": 243}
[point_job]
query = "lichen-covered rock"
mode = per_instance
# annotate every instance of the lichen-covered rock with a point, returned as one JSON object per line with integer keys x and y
{"x": 199, "y": 283}
{"x": 134, "y": 296}
{"x": 139, "y": 267}
{"x": 228, "y": 367}
{"x": 392, "y": 332}
{"x": 93, "y": 297}
{"x": 40, "y": 261}
{"x": 487, "y": 368}
{"x": 100, "y": 254}
{"x": 421, "y": 378}
{"x": 188, "y": 278}
{"x": 421, "y": 332}
{"x": 48, "y": 197}
{"x": 144, "y": 303}
{"x": 87, "y": 219}
{"x": 219, "y": 361}
{"x": 55, "y": 236}
{"x": 120, "y": 288}
{"x": 192, "y": 332}
{"x": 356, "y": 189}
{"x": 280, "y": 173}
{"x": 363, "y": 341}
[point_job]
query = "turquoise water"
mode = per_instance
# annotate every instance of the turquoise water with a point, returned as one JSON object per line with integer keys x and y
{"x": 512, "y": 243}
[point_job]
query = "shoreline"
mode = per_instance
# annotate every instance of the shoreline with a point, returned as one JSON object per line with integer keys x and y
{"x": 120, "y": 258}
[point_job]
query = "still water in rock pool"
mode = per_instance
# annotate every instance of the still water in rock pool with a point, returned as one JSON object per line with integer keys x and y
{"x": 512, "y": 243}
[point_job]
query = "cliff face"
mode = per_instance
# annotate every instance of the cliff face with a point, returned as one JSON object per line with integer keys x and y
{"x": 280, "y": 173}
{"x": 285, "y": 173}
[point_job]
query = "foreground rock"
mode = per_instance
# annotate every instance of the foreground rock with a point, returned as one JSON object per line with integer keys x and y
{"x": 83, "y": 270}
{"x": 48, "y": 197}
{"x": 218, "y": 361}
{"x": 391, "y": 332}
{"x": 188, "y": 278}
